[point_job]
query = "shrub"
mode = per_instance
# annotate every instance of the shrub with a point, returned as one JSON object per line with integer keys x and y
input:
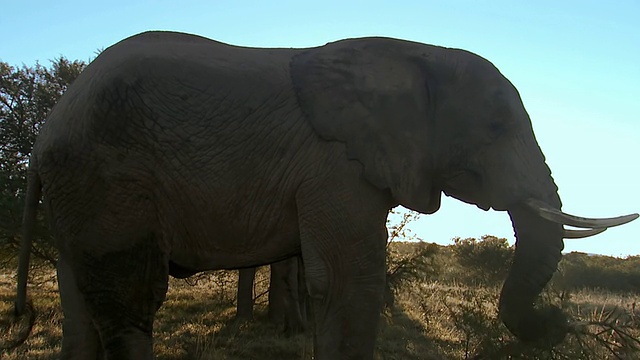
{"x": 485, "y": 261}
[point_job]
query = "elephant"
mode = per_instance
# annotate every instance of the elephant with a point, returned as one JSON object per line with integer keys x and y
{"x": 286, "y": 293}
{"x": 244, "y": 295}
{"x": 287, "y": 300}
{"x": 174, "y": 151}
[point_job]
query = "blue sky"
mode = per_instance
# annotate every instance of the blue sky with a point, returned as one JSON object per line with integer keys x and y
{"x": 575, "y": 63}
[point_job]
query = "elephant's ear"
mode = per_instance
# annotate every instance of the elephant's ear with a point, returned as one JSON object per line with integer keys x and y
{"x": 377, "y": 102}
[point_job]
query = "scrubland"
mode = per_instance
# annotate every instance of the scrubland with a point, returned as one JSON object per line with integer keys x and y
{"x": 441, "y": 311}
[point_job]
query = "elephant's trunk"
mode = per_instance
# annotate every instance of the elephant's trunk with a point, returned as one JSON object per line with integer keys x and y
{"x": 539, "y": 247}
{"x": 539, "y": 232}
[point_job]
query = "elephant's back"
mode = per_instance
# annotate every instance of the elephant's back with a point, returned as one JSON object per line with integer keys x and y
{"x": 158, "y": 81}
{"x": 181, "y": 110}
{"x": 188, "y": 58}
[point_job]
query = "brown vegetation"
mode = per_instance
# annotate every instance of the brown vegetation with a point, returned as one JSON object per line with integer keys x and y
{"x": 440, "y": 312}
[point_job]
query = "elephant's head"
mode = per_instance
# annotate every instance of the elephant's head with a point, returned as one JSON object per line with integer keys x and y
{"x": 424, "y": 120}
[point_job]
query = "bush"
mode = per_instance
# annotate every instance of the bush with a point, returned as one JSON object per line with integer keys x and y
{"x": 407, "y": 259}
{"x": 579, "y": 271}
{"x": 420, "y": 265}
{"x": 485, "y": 261}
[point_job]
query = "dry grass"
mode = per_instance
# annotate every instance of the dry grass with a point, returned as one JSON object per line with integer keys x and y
{"x": 429, "y": 321}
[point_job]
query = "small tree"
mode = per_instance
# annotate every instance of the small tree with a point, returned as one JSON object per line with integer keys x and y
{"x": 485, "y": 261}
{"x": 402, "y": 267}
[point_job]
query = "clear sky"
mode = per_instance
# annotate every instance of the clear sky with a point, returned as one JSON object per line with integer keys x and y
{"x": 575, "y": 63}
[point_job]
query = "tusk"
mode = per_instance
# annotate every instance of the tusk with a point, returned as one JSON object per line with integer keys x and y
{"x": 578, "y": 234}
{"x": 557, "y": 216}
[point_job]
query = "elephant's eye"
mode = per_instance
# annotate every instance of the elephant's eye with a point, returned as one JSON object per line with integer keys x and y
{"x": 496, "y": 128}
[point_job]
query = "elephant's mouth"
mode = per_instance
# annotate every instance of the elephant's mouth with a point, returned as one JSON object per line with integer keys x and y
{"x": 539, "y": 230}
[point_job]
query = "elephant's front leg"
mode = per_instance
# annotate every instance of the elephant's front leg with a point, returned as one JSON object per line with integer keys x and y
{"x": 344, "y": 258}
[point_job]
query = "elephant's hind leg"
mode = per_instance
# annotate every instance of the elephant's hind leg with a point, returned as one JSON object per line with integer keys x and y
{"x": 123, "y": 290}
{"x": 245, "y": 294}
{"x": 80, "y": 340}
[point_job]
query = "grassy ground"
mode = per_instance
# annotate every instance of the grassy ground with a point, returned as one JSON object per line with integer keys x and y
{"x": 429, "y": 321}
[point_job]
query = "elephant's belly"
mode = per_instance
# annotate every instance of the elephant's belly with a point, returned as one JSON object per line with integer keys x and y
{"x": 180, "y": 272}
{"x": 231, "y": 244}
{"x": 185, "y": 264}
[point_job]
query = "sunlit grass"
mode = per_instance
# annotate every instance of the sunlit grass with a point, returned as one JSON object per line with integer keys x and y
{"x": 431, "y": 320}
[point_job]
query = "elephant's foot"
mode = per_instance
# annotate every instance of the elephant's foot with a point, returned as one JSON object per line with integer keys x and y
{"x": 130, "y": 344}
{"x": 80, "y": 341}
{"x": 243, "y": 317}
{"x": 295, "y": 327}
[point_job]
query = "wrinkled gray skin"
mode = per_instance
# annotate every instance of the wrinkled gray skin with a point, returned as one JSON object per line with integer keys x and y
{"x": 172, "y": 150}
{"x": 287, "y": 301}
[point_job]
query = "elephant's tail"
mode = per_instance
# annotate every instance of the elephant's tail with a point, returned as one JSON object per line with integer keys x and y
{"x": 28, "y": 223}
{"x": 23, "y": 309}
